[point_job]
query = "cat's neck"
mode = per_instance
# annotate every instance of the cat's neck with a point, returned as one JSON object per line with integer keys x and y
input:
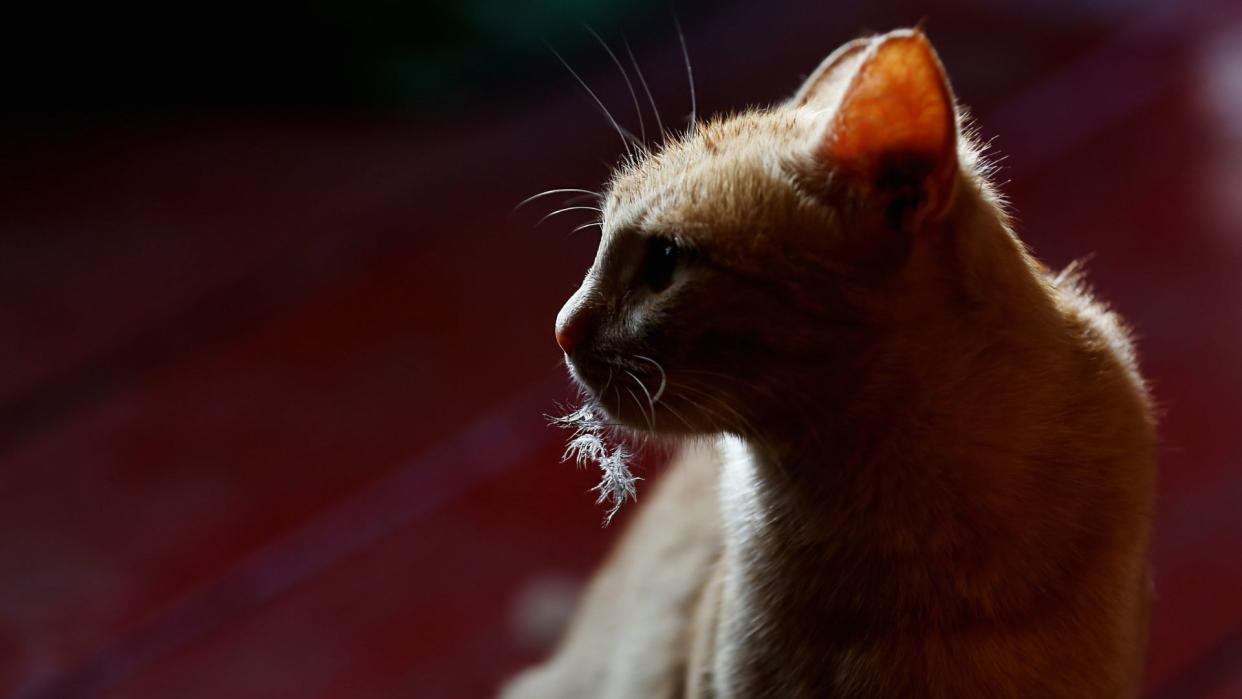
{"x": 968, "y": 360}
{"x": 929, "y": 454}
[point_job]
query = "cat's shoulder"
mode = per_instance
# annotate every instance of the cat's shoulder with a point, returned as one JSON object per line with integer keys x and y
{"x": 1102, "y": 328}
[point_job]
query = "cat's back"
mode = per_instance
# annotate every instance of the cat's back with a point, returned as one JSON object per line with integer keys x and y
{"x": 1113, "y": 401}
{"x": 1108, "y": 446}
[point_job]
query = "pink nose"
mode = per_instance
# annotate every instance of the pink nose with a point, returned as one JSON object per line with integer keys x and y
{"x": 569, "y": 332}
{"x": 573, "y": 323}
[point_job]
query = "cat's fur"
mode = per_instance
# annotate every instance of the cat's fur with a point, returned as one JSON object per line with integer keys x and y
{"x": 936, "y": 475}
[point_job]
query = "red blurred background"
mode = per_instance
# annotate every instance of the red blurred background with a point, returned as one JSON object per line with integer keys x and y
{"x": 276, "y": 347}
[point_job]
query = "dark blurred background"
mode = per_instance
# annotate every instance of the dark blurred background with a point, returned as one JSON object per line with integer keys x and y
{"x": 275, "y": 347}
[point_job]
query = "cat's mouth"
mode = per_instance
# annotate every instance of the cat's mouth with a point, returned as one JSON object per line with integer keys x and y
{"x": 628, "y": 390}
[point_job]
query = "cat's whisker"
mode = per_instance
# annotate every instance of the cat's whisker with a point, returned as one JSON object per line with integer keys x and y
{"x": 642, "y": 80}
{"x": 642, "y": 124}
{"x": 721, "y": 422}
{"x": 663, "y": 377}
{"x": 565, "y": 210}
{"x": 625, "y": 140}
{"x": 742, "y": 425}
{"x": 677, "y": 414}
{"x": 744, "y": 422}
{"x": 756, "y": 389}
{"x": 562, "y": 190}
{"x": 697, "y": 405}
{"x": 732, "y": 381}
{"x": 599, "y": 198}
{"x": 587, "y": 225}
{"x": 685, "y": 54}
{"x": 608, "y": 381}
{"x": 650, "y": 423}
{"x": 650, "y": 402}
{"x": 617, "y": 392}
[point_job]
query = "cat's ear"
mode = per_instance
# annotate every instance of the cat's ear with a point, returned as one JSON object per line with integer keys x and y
{"x": 826, "y": 85}
{"x": 895, "y": 127}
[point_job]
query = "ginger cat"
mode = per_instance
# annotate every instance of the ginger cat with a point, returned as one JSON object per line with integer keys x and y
{"x": 916, "y": 463}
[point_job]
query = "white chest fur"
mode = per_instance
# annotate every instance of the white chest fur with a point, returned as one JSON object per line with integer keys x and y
{"x": 744, "y": 513}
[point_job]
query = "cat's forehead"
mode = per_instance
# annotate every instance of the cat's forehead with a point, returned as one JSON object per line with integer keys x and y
{"x": 709, "y": 177}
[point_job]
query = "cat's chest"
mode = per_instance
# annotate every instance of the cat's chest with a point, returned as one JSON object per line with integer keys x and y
{"x": 761, "y": 581}
{"x": 741, "y": 501}
{"x": 748, "y": 569}
{"x": 753, "y": 509}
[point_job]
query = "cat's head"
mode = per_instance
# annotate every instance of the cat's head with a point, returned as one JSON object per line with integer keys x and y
{"x": 748, "y": 266}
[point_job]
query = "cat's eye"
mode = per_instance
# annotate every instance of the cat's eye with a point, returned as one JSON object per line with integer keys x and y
{"x": 659, "y": 263}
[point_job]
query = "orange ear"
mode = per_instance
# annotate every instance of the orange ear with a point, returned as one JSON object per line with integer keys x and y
{"x": 896, "y": 127}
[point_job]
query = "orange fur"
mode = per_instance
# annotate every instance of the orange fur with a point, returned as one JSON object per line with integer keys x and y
{"x": 936, "y": 475}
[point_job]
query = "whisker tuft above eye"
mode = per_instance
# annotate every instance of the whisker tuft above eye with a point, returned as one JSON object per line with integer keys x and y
{"x": 563, "y": 190}
{"x": 626, "y": 137}
{"x": 567, "y": 209}
{"x": 587, "y": 225}
{"x": 685, "y": 53}
{"x": 643, "y": 81}
{"x": 642, "y": 126}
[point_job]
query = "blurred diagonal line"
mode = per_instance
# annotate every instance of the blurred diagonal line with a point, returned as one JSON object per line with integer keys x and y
{"x": 1207, "y": 673}
{"x": 231, "y": 306}
{"x": 1126, "y": 73}
{"x": 482, "y": 450}
{"x": 1198, "y": 517}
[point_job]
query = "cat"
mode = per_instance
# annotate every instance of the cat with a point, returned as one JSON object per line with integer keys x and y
{"x": 916, "y": 462}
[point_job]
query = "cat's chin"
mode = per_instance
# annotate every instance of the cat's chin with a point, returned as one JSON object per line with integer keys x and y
{"x": 634, "y": 415}
{"x": 626, "y": 405}
{"x": 613, "y": 409}
{"x": 629, "y": 414}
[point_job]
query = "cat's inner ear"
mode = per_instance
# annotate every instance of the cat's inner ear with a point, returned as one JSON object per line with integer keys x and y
{"x": 895, "y": 128}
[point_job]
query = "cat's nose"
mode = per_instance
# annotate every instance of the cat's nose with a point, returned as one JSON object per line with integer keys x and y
{"x": 568, "y": 335}
{"x": 573, "y": 324}
{"x": 571, "y": 329}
